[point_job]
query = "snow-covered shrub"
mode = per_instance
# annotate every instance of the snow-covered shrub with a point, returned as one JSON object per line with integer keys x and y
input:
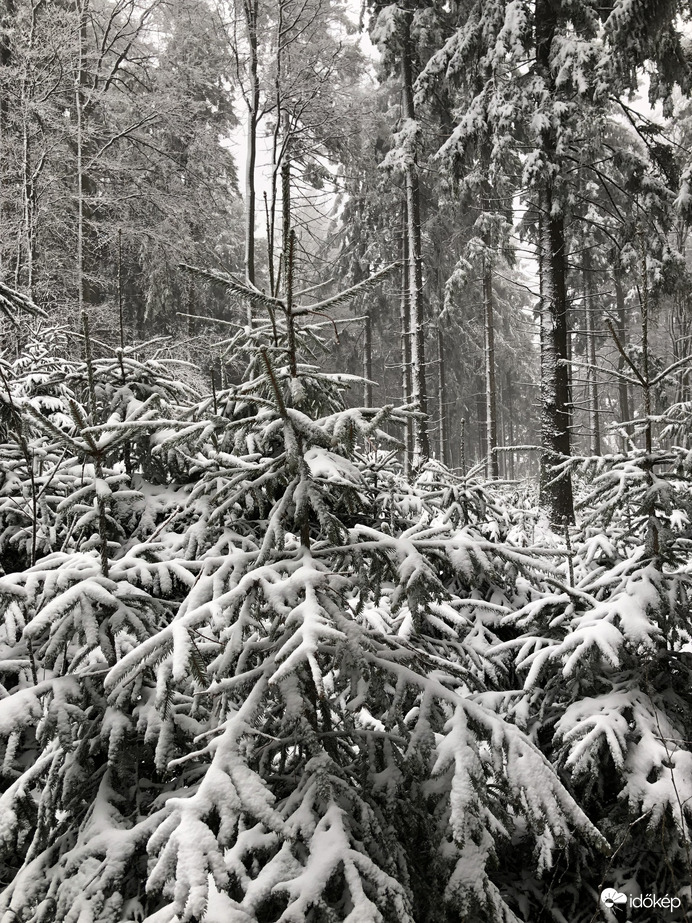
{"x": 605, "y": 656}
{"x": 261, "y": 687}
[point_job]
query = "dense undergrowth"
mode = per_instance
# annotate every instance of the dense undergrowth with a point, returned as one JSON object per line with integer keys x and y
{"x": 251, "y": 673}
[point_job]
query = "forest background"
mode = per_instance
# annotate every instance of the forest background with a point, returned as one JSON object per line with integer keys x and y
{"x": 344, "y": 498}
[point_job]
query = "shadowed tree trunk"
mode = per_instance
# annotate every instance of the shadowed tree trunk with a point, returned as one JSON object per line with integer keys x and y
{"x": 556, "y": 491}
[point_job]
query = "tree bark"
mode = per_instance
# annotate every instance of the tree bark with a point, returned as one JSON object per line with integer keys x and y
{"x": 405, "y": 318}
{"x": 82, "y": 8}
{"x": 556, "y": 491}
{"x": 420, "y": 396}
{"x": 288, "y": 240}
{"x": 592, "y": 374}
{"x": 623, "y": 389}
{"x": 510, "y": 421}
{"x": 367, "y": 361}
{"x": 6, "y": 55}
{"x": 24, "y": 271}
{"x": 442, "y": 398}
{"x": 252, "y": 100}
{"x": 492, "y": 467}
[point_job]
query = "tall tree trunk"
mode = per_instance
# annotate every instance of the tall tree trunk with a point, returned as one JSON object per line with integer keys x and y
{"x": 510, "y": 420}
{"x": 623, "y": 388}
{"x": 252, "y": 100}
{"x": 277, "y": 151}
{"x": 29, "y": 208}
{"x": 420, "y": 396}
{"x": 367, "y": 361}
{"x": 442, "y": 398}
{"x": 405, "y": 319}
{"x": 26, "y": 250}
{"x": 680, "y": 336}
{"x": 556, "y": 491}
{"x": 80, "y": 77}
{"x": 481, "y": 411}
{"x": 288, "y": 240}
{"x": 592, "y": 373}
{"x": 646, "y": 387}
{"x": 492, "y": 467}
{"x": 7, "y": 15}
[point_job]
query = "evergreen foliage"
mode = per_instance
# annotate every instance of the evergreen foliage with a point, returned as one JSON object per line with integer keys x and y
{"x": 248, "y": 665}
{"x": 263, "y": 657}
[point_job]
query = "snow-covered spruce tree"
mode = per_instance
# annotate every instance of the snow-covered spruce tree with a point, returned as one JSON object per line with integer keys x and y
{"x": 351, "y": 770}
{"x": 83, "y": 516}
{"x": 350, "y": 765}
{"x": 249, "y": 678}
{"x": 606, "y": 656}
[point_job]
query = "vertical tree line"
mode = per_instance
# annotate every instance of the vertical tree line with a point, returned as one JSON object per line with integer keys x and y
{"x": 278, "y": 645}
{"x": 113, "y": 115}
{"x": 492, "y": 181}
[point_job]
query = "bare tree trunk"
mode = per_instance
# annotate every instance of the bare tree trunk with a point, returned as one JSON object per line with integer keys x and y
{"x": 29, "y": 207}
{"x": 591, "y": 373}
{"x": 121, "y": 317}
{"x": 492, "y": 467}
{"x": 28, "y": 184}
{"x": 252, "y": 100}
{"x": 481, "y": 410}
{"x": 367, "y": 361}
{"x": 278, "y": 149}
{"x": 646, "y": 387}
{"x": 6, "y": 55}
{"x": 556, "y": 490}
{"x": 623, "y": 390}
{"x": 405, "y": 318}
{"x": 420, "y": 396}
{"x": 82, "y": 9}
{"x": 680, "y": 327}
{"x": 510, "y": 421}
{"x": 442, "y": 399}
{"x": 288, "y": 239}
